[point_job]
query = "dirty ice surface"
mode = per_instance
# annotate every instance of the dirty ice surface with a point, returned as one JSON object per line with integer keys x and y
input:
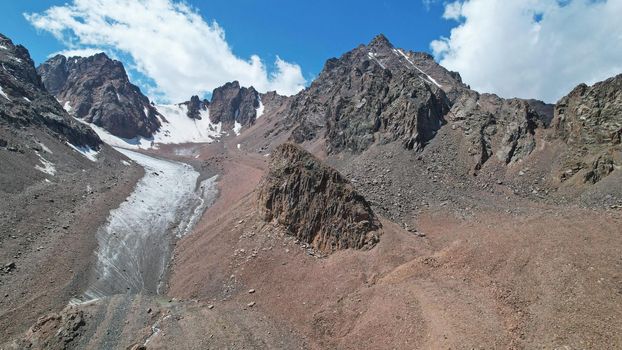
{"x": 134, "y": 246}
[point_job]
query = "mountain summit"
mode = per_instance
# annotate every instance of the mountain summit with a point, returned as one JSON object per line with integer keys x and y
{"x": 97, "y": 90}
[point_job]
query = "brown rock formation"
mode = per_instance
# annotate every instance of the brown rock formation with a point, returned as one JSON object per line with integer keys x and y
{"x": 315, "y": 203}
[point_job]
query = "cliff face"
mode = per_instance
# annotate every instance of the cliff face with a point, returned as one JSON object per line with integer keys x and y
{"x": 315, "y": 203}
{"x": 492, "y": 125}
{"x": 591, "y": 115}
{"x": 97, "y": 90}
{"x": 24, "y": 101}
{"x": 589, "y": 121}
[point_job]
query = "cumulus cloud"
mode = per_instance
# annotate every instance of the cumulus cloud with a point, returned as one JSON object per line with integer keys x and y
{"x": 85, "y": 52}
{"x": 169, "y": 42}
{"x": 532, "y": 48}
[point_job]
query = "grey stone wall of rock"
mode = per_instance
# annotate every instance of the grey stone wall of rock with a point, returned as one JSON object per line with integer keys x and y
{"x": 493, "y": 125}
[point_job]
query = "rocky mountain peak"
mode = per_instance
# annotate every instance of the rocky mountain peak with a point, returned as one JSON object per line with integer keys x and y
{"x": 24, "y": 101}
{"x": 97, "y": 90}
{"x": 315, "y": 203}
{"x": 380, "y": 42}
{"x": 232, "y": 104}
{"x": 372, "y": 93}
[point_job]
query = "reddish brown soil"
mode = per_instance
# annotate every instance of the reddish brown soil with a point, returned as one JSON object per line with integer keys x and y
{"x": 548, "y": 277}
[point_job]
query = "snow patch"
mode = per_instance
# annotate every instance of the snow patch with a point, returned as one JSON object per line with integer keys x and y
{"x": 115, "y": 141}
{"x": 175, "y": 128}
{"x": 178, "y": 128}
{"x": 260, "y": 109}
{"x": 3, "y": 94}
{"x": 3, "y": 47}
{"x": 417, "y": 68}
{"x": 372, "y": 56}
{"x": 239, "y": 146}
{"x": 236, "y": 128}
{"x": 45, "y": 148}
{"x": 67, "y": 107}
{"x": 86, "y": 151}
{"x": 26, "y": 99}
{"x": 47, "y": 166}
{"x": 125, "y": 162}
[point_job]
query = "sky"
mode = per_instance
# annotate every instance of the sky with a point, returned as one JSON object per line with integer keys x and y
{"x": 173, "y": 49}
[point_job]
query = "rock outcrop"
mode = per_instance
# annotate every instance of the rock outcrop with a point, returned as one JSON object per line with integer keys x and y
{"x": 55, "y": 331}
{"x": 232, "y": 104}
{"x": 493, "y": 125}
{"x": 591, "y": 115}
{"x": 315, "y": 203}
{"x": 589, "y": 121}
{"x": 97, "y": 90}
{"x": 24, "y": 101}
{"x": 195, "y": 105}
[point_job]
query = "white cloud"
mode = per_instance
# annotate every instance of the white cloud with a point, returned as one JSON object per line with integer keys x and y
{"x": 532, "y": 48}
{"x": 453, "y": 10}
{"x": 168, "y": 41}
{"x": 85, "y": 52}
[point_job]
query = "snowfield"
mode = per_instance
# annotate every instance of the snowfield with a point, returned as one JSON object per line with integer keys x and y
{"x": 177, "y": 128}
{"x": 134, "y": 246}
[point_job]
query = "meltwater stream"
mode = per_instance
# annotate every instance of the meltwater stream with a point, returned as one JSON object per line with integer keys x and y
{"x": 134, "y": 246}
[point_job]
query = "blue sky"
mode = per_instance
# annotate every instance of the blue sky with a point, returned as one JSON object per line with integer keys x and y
{"x": 173, "y": 49}
{"x": 304, "y": 32}
{"x": 300, "y": 32}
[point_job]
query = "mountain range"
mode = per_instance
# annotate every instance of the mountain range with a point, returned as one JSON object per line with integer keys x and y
{"x": 386, "y": 205}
